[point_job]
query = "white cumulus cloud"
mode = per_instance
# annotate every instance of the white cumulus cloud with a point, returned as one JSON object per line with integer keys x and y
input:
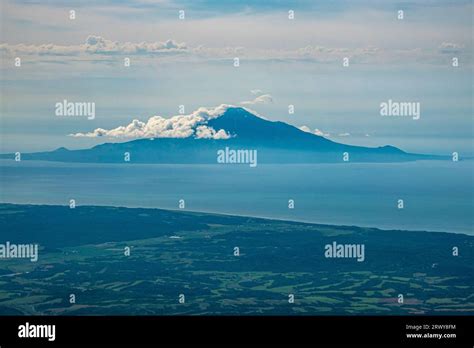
{"x": 316, "y": 131}
{"x": 180, "y": 126}
{"x": 256, "y": 91}
{"x": 261, "y": 99}
{"x": 450, "y": 47}
{"x": 96, "y": 45}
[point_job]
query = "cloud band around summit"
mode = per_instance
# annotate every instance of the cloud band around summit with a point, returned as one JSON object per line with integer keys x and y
{"x": 179, "y": 126}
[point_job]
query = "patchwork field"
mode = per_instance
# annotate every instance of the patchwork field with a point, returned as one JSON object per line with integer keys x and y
{"x": 83, "y": 251}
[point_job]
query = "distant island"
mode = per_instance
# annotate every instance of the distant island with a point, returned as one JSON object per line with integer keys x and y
{"x": 235, "y": 128}
{"x": 122, "y": 261}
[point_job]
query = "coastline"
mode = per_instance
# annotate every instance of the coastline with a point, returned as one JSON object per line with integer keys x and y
{"x": 234, "y": 215}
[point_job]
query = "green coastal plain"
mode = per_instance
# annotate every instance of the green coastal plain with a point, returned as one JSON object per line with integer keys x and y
{"x": 82, "y": 251}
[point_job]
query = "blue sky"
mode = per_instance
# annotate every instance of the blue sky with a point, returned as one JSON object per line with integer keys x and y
{"x": 190, "y": 62}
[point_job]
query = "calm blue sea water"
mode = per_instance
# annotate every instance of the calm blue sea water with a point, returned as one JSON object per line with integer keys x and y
{"x": 438, "y": 196}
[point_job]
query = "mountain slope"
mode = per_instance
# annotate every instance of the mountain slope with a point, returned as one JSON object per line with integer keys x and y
{"x": 275, "y": 142}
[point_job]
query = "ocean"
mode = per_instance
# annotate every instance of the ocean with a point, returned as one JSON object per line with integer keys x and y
{"x": 437, "y": 195}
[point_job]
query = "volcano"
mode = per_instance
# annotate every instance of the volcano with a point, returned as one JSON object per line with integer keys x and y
{"x": 276, "y": 142}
